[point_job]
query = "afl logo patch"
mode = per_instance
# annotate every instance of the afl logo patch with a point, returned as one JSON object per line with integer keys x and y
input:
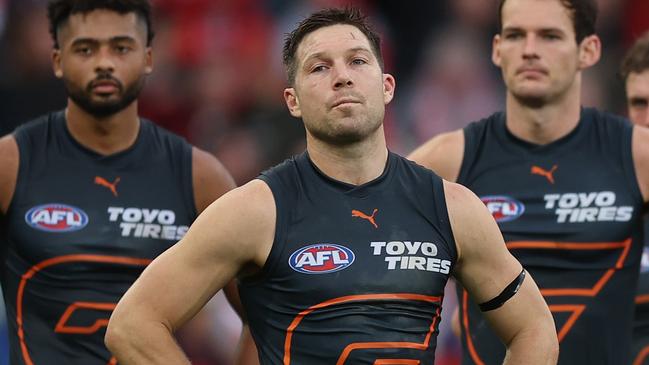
{"x": 503, "y": 208}
{"x": 56, "y": 218}
{"x": 321, "y": 258}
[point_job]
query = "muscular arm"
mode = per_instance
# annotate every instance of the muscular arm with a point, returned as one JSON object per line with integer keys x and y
{"x": 228, "y": 235}
{"x": 442, "y": 154}
{"x": 210, "y": 181}
{"x": 8, "y": 171}
{"x": 640, "y": 148}
{"x": 485, "y": 267}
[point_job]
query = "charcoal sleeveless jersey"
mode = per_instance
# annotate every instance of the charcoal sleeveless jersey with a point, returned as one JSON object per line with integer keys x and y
{"x": 570, "y": 211}
{"x": 640, "y": 351}
{"x": 80, "y": 229}
{"x": 356, "y": 274}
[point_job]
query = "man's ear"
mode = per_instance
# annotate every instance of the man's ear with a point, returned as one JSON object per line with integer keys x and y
{"x": 292, "y": 102}
{"x": 590, "y": 51}
{"x": 56, "y": 63}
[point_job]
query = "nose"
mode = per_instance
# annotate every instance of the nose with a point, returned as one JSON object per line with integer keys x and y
{"x": 342, "y": 77}
{"x": 529, "y": 48}
{"x": 105, "y": 62}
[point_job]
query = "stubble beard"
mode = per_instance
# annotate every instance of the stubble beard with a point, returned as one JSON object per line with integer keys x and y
{"x": 105, "y": 108}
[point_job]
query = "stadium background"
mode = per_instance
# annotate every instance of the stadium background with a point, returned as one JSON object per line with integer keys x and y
{"x": 218, "y": 81}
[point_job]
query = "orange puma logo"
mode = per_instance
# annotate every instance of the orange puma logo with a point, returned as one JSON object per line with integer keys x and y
{"x": 111, "y": 186}
{"x": 359, "y": 214}
{"x": 547, "y": 173}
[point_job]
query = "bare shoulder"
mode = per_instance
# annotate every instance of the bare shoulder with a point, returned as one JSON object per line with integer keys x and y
{"x": 640, "y": 148}
{"x": 9, "y": 172}
{"x": 442, "y": 154}
{"x": 471, "y": 222}
{"x": 243, "y": 219}
{"x": 210, "y": 178}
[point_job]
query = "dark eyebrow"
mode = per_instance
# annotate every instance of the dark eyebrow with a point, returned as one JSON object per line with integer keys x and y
{"x": 639, "y": 101}
{"x": 95, "y": 41}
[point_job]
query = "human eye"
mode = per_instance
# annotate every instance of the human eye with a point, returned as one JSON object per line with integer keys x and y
{"x": 318, "y": 68}
{"x": 83, "y": 50}
{"x": 122, "y": 49}
{"x": 512, "y": 36}
{"x": 359, "y": 61}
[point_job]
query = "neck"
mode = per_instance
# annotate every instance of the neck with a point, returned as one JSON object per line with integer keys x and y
{"x": 548, "y": 122}
{"x": 353, "y": 164}
{"x": 105, "y": 136}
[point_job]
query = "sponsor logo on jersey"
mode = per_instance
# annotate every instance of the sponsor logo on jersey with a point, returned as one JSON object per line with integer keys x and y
{"x": 369, "y": 218}
{"x": 321, "y": 258}
{"x": 147, "y": 223}
{"x": 56, "y": 217}
{"x": 503, "y": 208}
{"x": 411, "y": 255}
{"x": 587, "y": 207}
{"x": 548, "y": 174}
{"x": 112, "y": 186}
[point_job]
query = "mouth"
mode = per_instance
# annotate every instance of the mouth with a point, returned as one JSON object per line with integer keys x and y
{"x": 345, "y": 102}
{"x": 105, "y": 87}
{"x": 531, "y": 71}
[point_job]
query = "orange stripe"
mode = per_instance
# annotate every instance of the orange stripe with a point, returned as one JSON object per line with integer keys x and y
{"x": 351, "y": 298}
{"x": 383, "y": 345}
{"x": 642, "y": 299}
{"x": 62, "y": 328}
{"x": 467, "y": 333}
{"x": 641, "y": 356}
{"x": 55, "y": 261}
{"x": 396, "y": 362}
{"x": 576, "y": 310}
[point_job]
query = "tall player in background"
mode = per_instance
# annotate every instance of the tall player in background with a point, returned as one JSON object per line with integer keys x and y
{"x": 344, "y": 251}
{"x": 91, "y": 194}
{"x": 635, "y": 73}
{"x": 566, "y": 184}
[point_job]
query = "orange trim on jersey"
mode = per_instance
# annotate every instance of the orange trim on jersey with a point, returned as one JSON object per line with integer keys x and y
{"x": 467, "y": 333}
{"x": 62, "y": 328}
{"x": 576, "y": 309}
{"x": 352, "y": 298}
{"x": 113, "y": 361}
{"x": 642, "y": 356}
{"x": 396, "y": 362}
{"x": 56, "y": 261}
{"x": 642, "y": 299}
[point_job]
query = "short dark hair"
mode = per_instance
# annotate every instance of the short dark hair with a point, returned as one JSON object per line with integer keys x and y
{"x": 584, "y": 16}
{"x": 325, "y": 18}
{"x": 637, "y": 57}
{"x": 59, "y": 11}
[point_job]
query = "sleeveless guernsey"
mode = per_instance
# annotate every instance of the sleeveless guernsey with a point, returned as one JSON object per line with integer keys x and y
{"x": 80, "y": 229}
{"x": 570, "y": 211}
{"x": 356, "y": 274}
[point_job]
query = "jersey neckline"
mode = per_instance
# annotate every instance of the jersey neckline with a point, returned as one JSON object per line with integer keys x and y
{"x": 304, "y": 162}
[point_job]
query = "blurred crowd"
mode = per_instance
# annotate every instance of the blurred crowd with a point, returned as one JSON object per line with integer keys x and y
{"x": 218, "y": 81}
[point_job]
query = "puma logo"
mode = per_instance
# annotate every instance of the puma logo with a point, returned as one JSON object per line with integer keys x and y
{"x": 370, "y": 218}
{"x": 548, "y": 174}
{"x": 111, "y": 186}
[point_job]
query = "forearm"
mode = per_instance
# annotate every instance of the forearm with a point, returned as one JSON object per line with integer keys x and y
{"x": 533, "y": 347}
{"x": 143, "y": 343}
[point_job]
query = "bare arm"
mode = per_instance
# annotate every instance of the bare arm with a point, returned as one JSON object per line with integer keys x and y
{"x": 640, "y": 148}
{"x": 442, "y": 154}
{"x": 228, "y": 235}
{"x": 485, "y": 267}
{"x": 211, "y": 180}
{"x": 8, "y": 172}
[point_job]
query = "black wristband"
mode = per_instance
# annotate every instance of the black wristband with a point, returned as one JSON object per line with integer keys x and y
{"x": 505, "y": 295}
